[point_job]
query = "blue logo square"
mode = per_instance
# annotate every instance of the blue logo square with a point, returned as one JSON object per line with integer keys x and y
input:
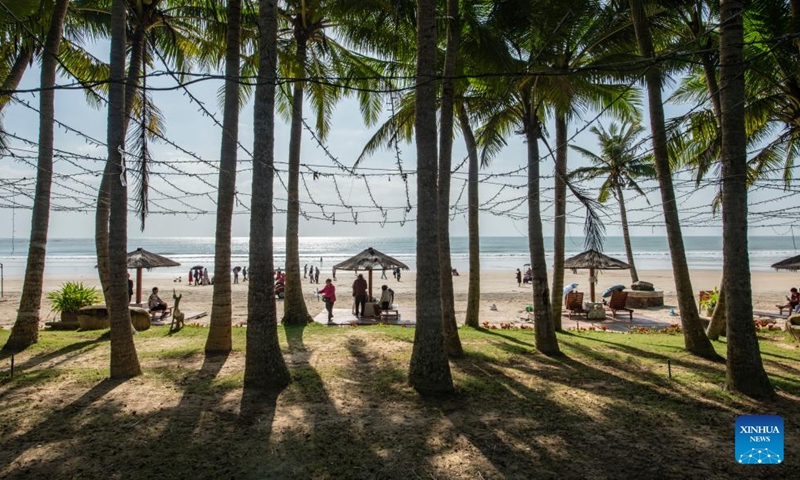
{"x": 759, "y": 440}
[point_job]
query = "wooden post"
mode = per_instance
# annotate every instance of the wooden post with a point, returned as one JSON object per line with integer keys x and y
{"x": 370, "y": 286}
{"x": 591, "y": 283}
{"x": 139, "y": 286}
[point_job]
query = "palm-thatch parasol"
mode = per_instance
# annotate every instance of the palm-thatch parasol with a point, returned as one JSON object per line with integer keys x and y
{"x": 788, "y": 264}
{"x": 368, "y": 260}
{"x": 592, "y": 259}
{"x": 141, "y": 258}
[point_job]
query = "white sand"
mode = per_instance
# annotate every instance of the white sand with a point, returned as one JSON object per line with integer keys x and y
{"x": 498, "y": 288}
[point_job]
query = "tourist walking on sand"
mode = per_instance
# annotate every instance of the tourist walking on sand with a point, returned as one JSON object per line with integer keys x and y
{"x": 360, "y": 294}
{"x": 328, "y": 293}
{"x": 383, "y": 274}
{"x": 398, "y": 273}
{"x": 206, "y": 280}
{"x": 316, "y": 275}
{"x": 519, "y": 277}
{"x": 305, "y": 270}
{"x": 244, "y": 274}
{"x": 236, "y": 275}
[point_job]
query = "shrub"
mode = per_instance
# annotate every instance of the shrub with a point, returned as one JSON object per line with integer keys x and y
{"x": 72, "y": 297}
{"x": 710, "y": 302}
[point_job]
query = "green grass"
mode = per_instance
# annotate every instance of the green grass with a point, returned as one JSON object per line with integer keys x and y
{"x": 605, "y": 408}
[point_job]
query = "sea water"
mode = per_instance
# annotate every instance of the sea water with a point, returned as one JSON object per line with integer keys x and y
{"x": 76, "y": 256}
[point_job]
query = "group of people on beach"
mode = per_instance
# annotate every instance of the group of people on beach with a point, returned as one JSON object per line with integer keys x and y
{"x": 311, "y": 272}
{"x": 526, "y": 278}
{"x": 360, "y": 296}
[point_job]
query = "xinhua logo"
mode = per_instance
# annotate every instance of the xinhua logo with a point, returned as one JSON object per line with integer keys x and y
{"x": 759, "y": 439}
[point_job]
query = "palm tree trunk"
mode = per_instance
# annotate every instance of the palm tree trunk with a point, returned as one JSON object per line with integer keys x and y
{"x": 26, "y": 327}
{"x": 717, "y": 325}
{"x": 473, "y": 202}
{"x": 626, "y": 235}
{"x": 429, "y": 372}
{"x": 11, "y": 82}
{"x": 694, "y": 337}
{"x": 745, "y": 370}
{"x": 124, "y": 361}
{"x": 219, "y": 333}
{"x": 295, "y": 311}
{"x": 102, "y": 212}
{"x": 560, "y": 219}
{"x": 546, "y": 341}
{"x": 264, "y": 365}
{"x": 452, "y": 344}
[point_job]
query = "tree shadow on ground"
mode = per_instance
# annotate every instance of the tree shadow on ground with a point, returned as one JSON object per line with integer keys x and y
{"x": 65, "y": 350}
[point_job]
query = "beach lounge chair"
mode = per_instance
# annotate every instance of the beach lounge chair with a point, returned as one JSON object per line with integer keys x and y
{"x": 617, "y": 303}
{"x": 793, "y": 326}
{"x": 573, "y": 302}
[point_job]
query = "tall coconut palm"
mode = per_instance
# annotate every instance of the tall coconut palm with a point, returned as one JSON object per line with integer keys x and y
{"x": 745, "y": 370}
{"x": 264, "y": 364}
{"x": 124, "y": 361}
{"x": 429, "y": 372}
{"x": 312, "y": 52}
{"x": 695, "y": 338}
{"x": 219, "y": 334}
{"x": 591, "y": 37}
{"x": 621, "y": 167}
{"x": 452, "y": 343}
{"x": 26, "y": 328}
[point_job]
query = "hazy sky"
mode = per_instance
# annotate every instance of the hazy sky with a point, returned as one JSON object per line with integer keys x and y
{"x": 189, "y": 128}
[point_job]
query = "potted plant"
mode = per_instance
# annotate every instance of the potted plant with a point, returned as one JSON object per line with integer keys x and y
{"x": 70, "y": 298}
{"x": 710, "y": 301}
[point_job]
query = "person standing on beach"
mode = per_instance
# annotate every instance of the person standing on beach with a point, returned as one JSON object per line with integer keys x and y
{"x": 236, "y": 275}
{"x": 398, "y": 274}
{"x": 244, "y": 274}
{"x": 383, "y": 274}
{"x": 197, "y": 277}
{"x": 305, "y": 270}
{"x": 206, "y": 280}
{"x": 130, "y": 288}
{"x": 360, "y": 294}
{"x": 316, "y": 275}
{"x": 328, "y": 293}
{"x": 519, "y": 278}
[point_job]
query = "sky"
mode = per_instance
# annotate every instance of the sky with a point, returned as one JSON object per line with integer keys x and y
{"x": 189, "y": 128}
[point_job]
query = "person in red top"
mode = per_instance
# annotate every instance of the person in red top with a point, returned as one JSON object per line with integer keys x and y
{"x": 329, "y": 297}
{"x": 360, "y": 293}
{"x": 794, "y": 300}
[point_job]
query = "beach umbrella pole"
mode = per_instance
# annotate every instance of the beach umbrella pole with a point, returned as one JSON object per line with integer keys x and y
{"x": 370, "y": 285}
{"x": 139, "y": 286}
{"x": 591, "y": 283}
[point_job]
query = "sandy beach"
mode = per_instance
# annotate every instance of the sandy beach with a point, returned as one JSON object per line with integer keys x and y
{"x": 497, "y": 288}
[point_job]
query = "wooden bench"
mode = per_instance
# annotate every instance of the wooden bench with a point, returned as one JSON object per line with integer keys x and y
{"x": 391, "y": 312}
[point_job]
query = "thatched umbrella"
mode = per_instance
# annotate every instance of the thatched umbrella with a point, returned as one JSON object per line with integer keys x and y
{"x": 141, "y": 258}
{"x": 788, "y": 264}
{"x": 368, "y": 260}
{"x": 594, "y": 260}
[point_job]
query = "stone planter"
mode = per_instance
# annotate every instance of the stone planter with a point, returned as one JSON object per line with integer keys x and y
{"x": 644, "y": 299}
{"x": 95, "y": 317}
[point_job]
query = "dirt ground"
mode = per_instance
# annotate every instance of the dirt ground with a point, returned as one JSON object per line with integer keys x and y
{"x": 606, "y": 409}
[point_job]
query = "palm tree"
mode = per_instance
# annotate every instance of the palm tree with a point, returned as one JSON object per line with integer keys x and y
{"x": 695, "y": 338}
{"x": 621, "y": 167}
{"x": 264, "y": 364}
{"x": 473, "y": 204}
{"x": 124, "y": 361}
{"x": 315, "y": 53}
{"x": 26, "y": 327}
{"x": 591, "y": 37}
{"x": 429, "y": 372}
{"x": 219, "y": 333}
{"x": 745, "y": 370}
{"x": 452, "y": 343}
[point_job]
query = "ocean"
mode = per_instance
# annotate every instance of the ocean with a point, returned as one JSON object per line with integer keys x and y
{"x": 76, "y": 256}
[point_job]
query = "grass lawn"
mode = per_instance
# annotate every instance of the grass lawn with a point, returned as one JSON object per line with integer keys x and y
{"x": 606, "y": 409}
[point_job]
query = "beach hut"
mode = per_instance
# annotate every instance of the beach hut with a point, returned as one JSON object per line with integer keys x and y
{"x": 788, "y": 264}
{"x": 370, "y": 259}
{"x": 141, "y": 258}
{"x": 594, "y": 260}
